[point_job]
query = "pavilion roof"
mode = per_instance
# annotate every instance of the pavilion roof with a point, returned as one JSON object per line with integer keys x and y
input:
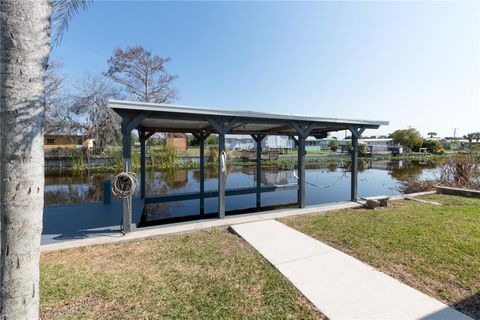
{"x": 154, "y": 117}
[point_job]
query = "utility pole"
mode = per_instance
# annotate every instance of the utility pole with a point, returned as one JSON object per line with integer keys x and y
{"x": 454, "y": 133}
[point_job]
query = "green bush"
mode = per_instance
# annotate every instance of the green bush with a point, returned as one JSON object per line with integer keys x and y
{"x": 155, "y": 142}
{"x": 433, "y": 146}
{"x": 212, "y": 153}
{"x": 362, "y": 149}
{"x": 333, "y": 145}
{"x": 78, "y": 159}
{"x": 163, "y": 156}
{"x": 408, "y": 138}
{"x": 212, "y": 140}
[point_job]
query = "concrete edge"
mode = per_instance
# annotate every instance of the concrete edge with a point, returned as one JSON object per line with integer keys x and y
{"x": 192, "y": 226}
{"x": 412, "y": 195}
{"x": 468, "y": 193}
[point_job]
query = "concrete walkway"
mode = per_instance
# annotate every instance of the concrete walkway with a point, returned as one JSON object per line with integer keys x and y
{"x": 340, "y": 286}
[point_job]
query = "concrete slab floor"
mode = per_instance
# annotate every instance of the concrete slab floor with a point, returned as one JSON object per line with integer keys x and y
{"x": 49, "y": 244}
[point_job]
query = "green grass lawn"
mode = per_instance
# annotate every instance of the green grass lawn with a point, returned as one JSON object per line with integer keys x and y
{"x": 204, "y": 275}
{"x": 435, "y": 249}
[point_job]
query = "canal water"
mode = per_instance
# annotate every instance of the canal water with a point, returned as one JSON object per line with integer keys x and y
{"x": 325, "y": 183}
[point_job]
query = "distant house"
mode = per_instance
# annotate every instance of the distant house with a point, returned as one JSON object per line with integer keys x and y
{"x": 455, "y": 144}
{"x": 239, "y": 142}
{"x": 177, "y": 141}
{"x": 277, "y": 142}
{"x": 374, "y": 145}
{"x": 379, "y": 145}
{"x": 314, "y": 144}
{"x": 246, "y": 142}
{"x": 64, "y": 141}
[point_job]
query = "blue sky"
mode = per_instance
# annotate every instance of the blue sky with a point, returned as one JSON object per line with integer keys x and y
{"x": 412, "y": 63}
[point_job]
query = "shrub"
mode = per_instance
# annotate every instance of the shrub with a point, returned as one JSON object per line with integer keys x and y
{"x": 163, "y": 156}
{"x": 333, "y": 145}
{"x": 460, "y": 171}
{"x": 418, "y": 186}
{"x": 408, "y": 138}
{"x": 212, "y": 153}
{"x": 433, "y": 146}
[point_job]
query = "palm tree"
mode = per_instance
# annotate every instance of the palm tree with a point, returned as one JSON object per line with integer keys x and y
{"x": 432, "y": 134}
{"x": 24, "y": 50}
{"x": 469, "y": 137}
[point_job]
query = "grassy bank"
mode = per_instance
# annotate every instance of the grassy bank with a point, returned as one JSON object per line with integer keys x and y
{"x": 116, "y": 164}
{"x": 435, "y": 249}
{"x": 205, "y": 275}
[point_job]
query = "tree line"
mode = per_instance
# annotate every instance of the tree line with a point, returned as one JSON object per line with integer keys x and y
{"x": 412, "y": 140}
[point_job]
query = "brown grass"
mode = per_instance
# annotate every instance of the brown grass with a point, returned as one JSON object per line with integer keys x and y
{"x": 460, "y": 171}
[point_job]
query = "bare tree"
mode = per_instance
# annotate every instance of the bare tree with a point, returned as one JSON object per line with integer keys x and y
{"x": 24, "y": 50}
{"x": 57, "y": 101}
{"x": 142, "y": 74}
{"x": 93, "y": 114}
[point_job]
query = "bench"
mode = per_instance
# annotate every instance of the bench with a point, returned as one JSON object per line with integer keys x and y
{"x": 375, "y": 202}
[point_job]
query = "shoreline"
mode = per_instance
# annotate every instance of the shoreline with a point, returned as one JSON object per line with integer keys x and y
{"x": 265, "y": 164}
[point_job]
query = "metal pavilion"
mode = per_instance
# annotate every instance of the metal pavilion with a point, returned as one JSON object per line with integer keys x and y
{"x": 149, "y": 118}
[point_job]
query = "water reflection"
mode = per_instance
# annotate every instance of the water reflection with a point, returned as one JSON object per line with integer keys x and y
{"x": 332, "y": 181}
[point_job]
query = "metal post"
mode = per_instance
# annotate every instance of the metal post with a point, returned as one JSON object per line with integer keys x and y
{"x": 356, "y": 133}
{"x": 127, "y": 167}
{"x": 259, "y": 172}
{"x": 258, "y": 139}
{"x": 301, "y": 172}
{"x": 143, "y": 163}
{"x": 222, "y": 127}
{"x": 202, "y": 177}
{"x": 354, "y": 174}
{"x": 201, "y": 138}
{"x": 222, "y": 181}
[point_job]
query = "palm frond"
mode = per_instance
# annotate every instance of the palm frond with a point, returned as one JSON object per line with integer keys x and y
{"x": 63, "y": 12}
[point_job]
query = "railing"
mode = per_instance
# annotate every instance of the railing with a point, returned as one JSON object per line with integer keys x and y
{"x": 213, "y": 194}
{"x": 248, "y": 155}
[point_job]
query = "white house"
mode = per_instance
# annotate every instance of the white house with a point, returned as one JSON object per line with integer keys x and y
{"x": 277, "y": 142}
{"x": 378, "y": 145}
{"x": 239, "y": 142}
{"x": 246, "y": 142}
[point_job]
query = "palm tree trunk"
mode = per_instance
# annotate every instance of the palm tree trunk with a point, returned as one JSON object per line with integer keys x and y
{"x": 24, "y": 49}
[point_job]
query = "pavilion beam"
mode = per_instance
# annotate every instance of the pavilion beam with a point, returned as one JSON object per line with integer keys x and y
{"x": 127, "y": 167}
{"x": 133, "y": 122}
{"x": 258, "y": 139}
{"x": 201, "y": 139}
{"x": 356, "y": 132}
{"x": 148, "y": 134}
{"x": 303, "y": 130}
